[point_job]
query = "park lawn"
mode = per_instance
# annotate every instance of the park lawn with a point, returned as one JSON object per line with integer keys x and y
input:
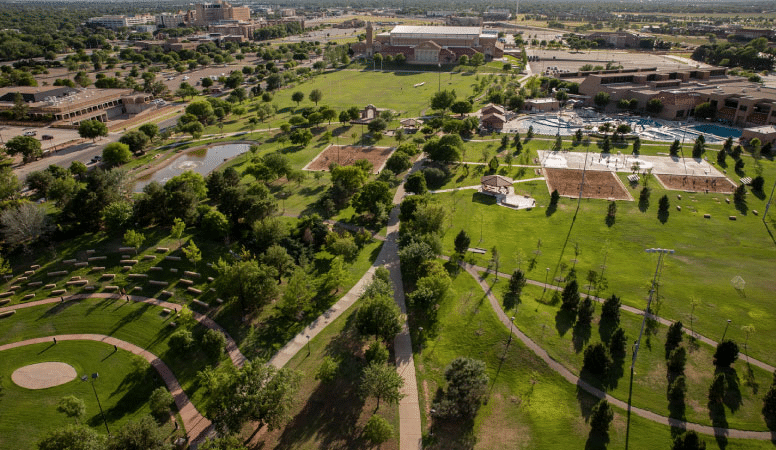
{"x": 565, "y": 342}
{"x": 124, "y": 384}
{"x": 332, "y": 415}
{"x": 527, "y": 402}
{"x": 139, "y": 323}
{"x": 698, "y": 269}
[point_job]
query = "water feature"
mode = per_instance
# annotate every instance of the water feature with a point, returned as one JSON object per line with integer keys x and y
{"x": 195, "y": 161}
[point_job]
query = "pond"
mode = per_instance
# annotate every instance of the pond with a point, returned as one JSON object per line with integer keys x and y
{"x": 195, "y": 161}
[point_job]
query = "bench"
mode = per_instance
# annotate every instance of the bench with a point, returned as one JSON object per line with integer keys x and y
{"x": 110, "y": 288}
{"x": 172, "y": 258}
{"x": 191, "y": 274}
{"x": 200, "y": 303}
{"x": 59, "y": 292}
{"x": 128, "y": 262}
{"x": 137, "y": 275}
{"x": 162, "y": 249}
{"x": 108, "y": 276}
{"x": 97, "y": 258}
{"x": 81, "y": 264}
{"x": 57, "y": 273}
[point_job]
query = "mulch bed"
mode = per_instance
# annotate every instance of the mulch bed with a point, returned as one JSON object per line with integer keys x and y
{"x": 598, "y": 184}
{"x": 346, "y": 155}
{"x": 695, "y": 183}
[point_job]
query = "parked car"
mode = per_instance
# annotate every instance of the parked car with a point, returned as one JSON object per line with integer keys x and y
{"x": 47, "y": 137}
{"x": 30, "y": 133}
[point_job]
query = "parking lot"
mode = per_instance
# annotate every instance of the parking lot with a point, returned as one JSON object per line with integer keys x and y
{"x": 59, "y": 136}
{"x": 571, "y": 60}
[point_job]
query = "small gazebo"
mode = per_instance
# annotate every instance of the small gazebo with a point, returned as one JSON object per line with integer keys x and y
{"x": 495, "y": 184}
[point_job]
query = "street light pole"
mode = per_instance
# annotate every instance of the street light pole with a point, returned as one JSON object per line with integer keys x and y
{"x": 420, "y": 341}
{"x": 94, "y": 376}
{"x": 660, "y": 252}
{"x": 308, "y": 344}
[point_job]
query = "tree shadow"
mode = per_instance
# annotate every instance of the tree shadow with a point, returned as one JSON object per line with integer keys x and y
{"x": 718, "y": 420}
{"x": 586, "y": 402}
{"x": 580, "y": 335}
{"x": 597, "y": 441}
{"x": 615, "y": 372}
{"x": 742, "y": 207}
{"x": 750, "y": 381}
{"x": 564, "y": 320}
{"x": 606, "y": 327}
{"x": 609, "y": 220}
{"x": 662, "y": 216}
{"x": 732, "y": 398}
{"x": 551, "y": 208}
{"x": 643, "y": 203}
{"x": 450, "y": 434}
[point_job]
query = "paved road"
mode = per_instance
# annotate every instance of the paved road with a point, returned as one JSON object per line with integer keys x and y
{"x": 571, "y": 378}
{"x": 197, "y": 426}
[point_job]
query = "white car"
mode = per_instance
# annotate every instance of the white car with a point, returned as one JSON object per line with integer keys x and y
{"x": 186, "y": 77}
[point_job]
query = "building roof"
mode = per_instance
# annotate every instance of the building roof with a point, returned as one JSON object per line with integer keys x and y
{"x": 34, "y": 94}
{"x": 496, "y": 116}
{"x": 435, "y": 31}
{"x": 496, "y": 181}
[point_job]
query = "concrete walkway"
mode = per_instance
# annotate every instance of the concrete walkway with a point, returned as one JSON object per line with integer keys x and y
{"x": 462, "y": 188}
{"x": 581, "y": 384}
{"x": 197, "y": 427}
{"x": 410, "y": 433}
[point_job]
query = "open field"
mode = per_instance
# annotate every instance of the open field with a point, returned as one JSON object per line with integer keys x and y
{"x": 597, "y": 184}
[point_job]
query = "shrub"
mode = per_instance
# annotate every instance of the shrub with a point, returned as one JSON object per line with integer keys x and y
{"x": 160, "y": 401}
{"x": 327, "y": 370}
{"x": 214, "y": 343}
{"x": 181, "y": 341}
{"x": 376, "y": 353}
{"x": 377, "y": 430}
{"x": 611, "y": 309}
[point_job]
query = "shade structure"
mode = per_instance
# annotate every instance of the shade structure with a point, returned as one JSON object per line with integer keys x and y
{"x": 496, "y": 181}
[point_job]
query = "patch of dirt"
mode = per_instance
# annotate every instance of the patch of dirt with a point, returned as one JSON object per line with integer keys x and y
{"x": 694, "y": 183}
{"x": 598, "y": 184}
{"x": 347, "y": 155}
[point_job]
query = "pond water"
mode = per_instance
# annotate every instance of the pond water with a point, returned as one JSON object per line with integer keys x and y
{"x": 203, "y": 165}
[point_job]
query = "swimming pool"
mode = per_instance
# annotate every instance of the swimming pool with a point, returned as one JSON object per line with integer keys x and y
{"x": 717, "y": 130}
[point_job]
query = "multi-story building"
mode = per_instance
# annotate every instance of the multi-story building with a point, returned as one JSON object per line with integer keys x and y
{"x": 210, "y": 13}
{"x": 736, "y": 100}
{"x": 171, "y": 20}
{"x": 497, "y": 14}
{"x": 72, "y": 106}
{"x": 116, "y": 22}
{"x": 430, "y": 44}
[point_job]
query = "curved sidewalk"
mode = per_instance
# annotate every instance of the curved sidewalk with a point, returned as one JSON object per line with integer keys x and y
{"x": 581, "y": 384}
{"x": 238, "y": 359}
{"x": 197, "y": 426}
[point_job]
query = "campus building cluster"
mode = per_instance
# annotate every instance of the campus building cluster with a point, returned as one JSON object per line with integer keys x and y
{"x": 430, "y": 44}
{"x": 230, "y": 23}
{"x": 735, "y": 100}
{"x": 70, "y": 106}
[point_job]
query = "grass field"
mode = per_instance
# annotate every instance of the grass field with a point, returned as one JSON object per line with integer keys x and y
{"x": 528, "y": 405}
{"x": 709, "y": 252}
{"x": 565, "y": 342}
{"x": 125, "y": 382}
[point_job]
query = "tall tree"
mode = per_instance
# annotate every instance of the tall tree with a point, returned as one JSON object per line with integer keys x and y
{"x": 24, "y": 224}
{"x": 142, "y": 434}
{"x": 382, "y": 382}
{"x": 134, "y": 239}
{"x": 92, "y": 129}
{"x": 246, "y": 281}
{"x": 467, "y": 382}
{"x": 27, "y": 146}
{"x": 256, "y": 392}
{"x": 315, "y": 96}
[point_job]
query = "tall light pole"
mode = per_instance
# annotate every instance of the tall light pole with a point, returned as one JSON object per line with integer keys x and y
{"x": 308, "y": 344}
{"x": 94, "y": 377}
{"x": 420, "y": 341}
{"x": 546, "y": 274}
{"x": 725, "y": 332}
{"x": 660, "y": 252}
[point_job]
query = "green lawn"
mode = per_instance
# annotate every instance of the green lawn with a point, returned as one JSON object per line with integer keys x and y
{"x": 528, "y": 406}
{"x": 565, "y": 342}
{"x": 125, "y": 382}
{"x": 138, "y": 323}
{"x": 709, "y": 252}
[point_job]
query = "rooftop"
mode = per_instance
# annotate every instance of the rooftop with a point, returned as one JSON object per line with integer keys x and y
{"x": 433, "y": 30}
